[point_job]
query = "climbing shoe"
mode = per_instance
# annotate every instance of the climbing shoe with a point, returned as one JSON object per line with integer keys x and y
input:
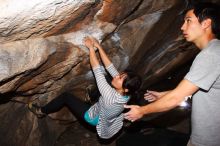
{"x": 34, "y": 108}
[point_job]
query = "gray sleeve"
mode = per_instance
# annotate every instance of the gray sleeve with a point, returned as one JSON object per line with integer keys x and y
{"x": 112, "y": 70}
{"x": 204, "y": 70}
{"x": 105, "y": 89}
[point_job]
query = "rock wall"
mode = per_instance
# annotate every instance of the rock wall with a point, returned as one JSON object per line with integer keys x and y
{"x": 42, "y": 54}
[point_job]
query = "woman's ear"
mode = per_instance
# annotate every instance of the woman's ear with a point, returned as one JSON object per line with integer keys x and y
{"x": 126, "y": 90}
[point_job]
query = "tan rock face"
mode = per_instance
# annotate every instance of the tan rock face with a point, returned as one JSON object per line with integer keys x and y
{"x": 42, "y": 54}
{"x": 27, "y": 19}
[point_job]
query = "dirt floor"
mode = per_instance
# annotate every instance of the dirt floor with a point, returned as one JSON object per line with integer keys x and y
{"x": 78, "y": 135}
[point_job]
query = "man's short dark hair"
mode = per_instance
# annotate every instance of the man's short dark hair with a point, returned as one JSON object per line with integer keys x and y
{"x": 205, "y": 10}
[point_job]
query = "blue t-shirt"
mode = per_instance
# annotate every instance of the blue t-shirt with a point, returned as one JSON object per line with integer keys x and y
{"x": 93, "y": 121}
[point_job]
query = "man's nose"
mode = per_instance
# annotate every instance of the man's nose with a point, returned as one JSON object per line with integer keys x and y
{"x": 183, "y": 27}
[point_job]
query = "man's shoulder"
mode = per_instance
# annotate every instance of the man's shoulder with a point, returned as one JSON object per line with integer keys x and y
{"x": 214, "y": 44}
{"x": 213, "y": 49}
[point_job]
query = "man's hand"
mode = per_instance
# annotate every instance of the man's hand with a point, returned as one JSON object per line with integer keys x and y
{"x": 134, "y": 113}
{"x": 152, "y": 95}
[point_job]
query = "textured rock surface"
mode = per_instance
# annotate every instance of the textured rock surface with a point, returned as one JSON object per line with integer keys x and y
{"x": 42, "y": 55}
{"x": 24, "y": 19}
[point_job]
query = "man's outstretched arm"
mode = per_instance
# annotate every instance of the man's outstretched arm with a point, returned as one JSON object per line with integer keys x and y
{"x": 165, "y": 103}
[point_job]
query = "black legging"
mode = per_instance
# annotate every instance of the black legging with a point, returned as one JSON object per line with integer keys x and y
{"x": 74, "y": 104}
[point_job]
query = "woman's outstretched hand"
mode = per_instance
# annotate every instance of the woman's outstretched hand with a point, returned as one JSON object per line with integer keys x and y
{"x": 95, "y": 43}
{"x": 88, "y": 42}
{"x": 92, "y": 55}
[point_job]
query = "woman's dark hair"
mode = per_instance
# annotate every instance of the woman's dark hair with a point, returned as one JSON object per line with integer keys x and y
{"x": 205, "y": 10}
{"x": 132, "y": 82}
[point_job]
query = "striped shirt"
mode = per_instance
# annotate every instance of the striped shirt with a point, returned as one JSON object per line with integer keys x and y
{"x": 110, "y": 106}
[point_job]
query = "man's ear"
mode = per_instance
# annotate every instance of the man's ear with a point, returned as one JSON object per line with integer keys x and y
{"x": 206, "y": 23}
{"x": 126, "y": 90}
